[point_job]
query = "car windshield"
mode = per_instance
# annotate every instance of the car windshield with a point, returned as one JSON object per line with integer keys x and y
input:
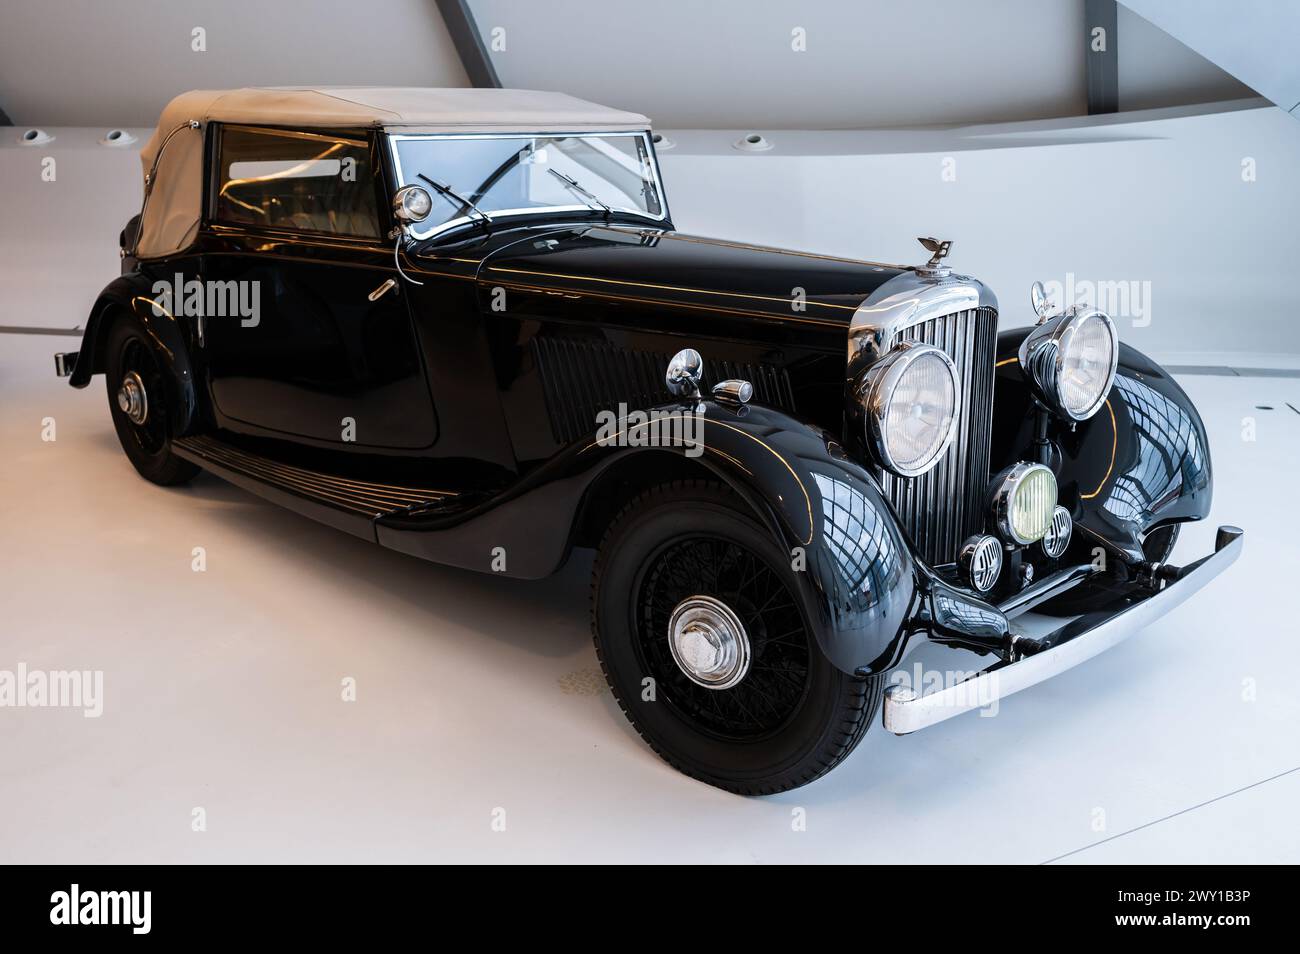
{"x": 517, "y": 174}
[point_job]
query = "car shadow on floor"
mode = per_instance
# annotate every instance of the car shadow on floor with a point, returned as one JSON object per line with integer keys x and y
{"x": 547, "y": 617}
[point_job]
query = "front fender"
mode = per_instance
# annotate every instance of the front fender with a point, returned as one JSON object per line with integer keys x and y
{"x": 859, "y": 573}
{"x": 131, "y": 294}
{"x": 859, "y": 576}
{"x": 1142, "y": 460}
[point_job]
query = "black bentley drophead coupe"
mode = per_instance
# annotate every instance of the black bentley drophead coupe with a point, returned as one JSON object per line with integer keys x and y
{"x": 459, "y": 323}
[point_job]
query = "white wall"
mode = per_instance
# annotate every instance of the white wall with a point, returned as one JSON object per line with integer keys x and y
{"x": 58, "y": 239}
{"x": 1127, "y": 198}
{"x": 1150, "y": 197}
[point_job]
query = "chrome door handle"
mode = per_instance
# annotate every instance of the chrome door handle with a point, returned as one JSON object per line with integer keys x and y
{"x": 382, "y": 290}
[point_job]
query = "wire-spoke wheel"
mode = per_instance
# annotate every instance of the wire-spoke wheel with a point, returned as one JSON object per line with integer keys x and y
{"x": 705, "y": 638}
{"x": 138, "y": 401}
{"x": 777, "y": 645}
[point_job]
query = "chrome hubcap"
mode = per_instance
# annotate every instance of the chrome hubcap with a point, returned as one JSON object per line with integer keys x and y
{"x": 708, "y": 642}
{"x": 132, "y": 400}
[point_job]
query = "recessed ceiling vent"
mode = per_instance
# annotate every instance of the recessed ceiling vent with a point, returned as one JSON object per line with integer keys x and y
{"x": 117, "y": 137}
{"x": 752, "y": 143}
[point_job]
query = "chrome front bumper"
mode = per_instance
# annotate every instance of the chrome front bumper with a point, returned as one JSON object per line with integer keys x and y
{"x": 1073, "y": 643}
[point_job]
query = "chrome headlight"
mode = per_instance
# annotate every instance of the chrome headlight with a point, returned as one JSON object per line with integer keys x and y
{"x": 910, "y": 398}
{"x": 1070, "y": 362}
{"x": 412, "y": 204}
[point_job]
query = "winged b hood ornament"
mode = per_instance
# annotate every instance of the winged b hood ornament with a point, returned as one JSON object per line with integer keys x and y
{"x": 938, "y": 249}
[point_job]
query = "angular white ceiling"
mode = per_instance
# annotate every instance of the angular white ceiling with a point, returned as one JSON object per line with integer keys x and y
{"x": 733, "y": 63}
{"x": 91, "y": 62}
{"x": 1254, "y": 40}
{"x": 686, "y": 63}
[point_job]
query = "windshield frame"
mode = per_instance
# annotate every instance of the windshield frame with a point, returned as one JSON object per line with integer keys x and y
{"x": 540, "y": 211}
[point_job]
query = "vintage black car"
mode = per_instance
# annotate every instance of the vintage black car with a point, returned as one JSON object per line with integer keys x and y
{"x": 459, "y": 323}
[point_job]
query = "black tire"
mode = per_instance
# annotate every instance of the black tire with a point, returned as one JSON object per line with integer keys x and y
{"x": 1157, "y": 545}
{"x": 793, "y": 717}
{"x": 148, "y": 444}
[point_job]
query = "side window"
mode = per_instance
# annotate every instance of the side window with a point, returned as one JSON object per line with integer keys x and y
{"x": 306, "y": 182}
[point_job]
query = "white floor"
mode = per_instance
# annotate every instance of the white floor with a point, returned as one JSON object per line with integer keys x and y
{"x": 479, "y": 698}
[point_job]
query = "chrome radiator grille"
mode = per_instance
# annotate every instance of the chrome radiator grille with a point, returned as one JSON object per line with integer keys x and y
{"x": 942, "y": 508}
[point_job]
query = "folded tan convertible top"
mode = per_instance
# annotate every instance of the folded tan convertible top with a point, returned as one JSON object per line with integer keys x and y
{"x": 172, "y": 217}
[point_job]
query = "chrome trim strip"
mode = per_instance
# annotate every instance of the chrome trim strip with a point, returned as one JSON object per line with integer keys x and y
{"x": 908, "y": 299}
{"x": 905, "y": 712}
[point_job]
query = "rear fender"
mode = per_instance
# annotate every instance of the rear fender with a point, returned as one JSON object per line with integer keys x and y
{"x": 132, "y": 295}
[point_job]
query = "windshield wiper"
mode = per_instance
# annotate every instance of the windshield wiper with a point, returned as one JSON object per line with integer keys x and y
{"x": 573, "y": 184}
{"x": 449, "y": 191}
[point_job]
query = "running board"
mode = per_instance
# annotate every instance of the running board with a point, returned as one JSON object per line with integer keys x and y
{"x": 345, "y": 503}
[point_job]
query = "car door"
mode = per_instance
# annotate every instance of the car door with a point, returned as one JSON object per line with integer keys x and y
{"x": 303, "y": 347}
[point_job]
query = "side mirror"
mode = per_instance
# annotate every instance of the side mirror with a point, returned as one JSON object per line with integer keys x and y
{"x": 1038, "y": 300}
{"x": 684, "y": 373}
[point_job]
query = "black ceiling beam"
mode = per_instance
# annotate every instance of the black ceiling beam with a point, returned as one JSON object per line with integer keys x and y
{"x": 1102, "y": 63}
{"x": 469, "y": 43}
